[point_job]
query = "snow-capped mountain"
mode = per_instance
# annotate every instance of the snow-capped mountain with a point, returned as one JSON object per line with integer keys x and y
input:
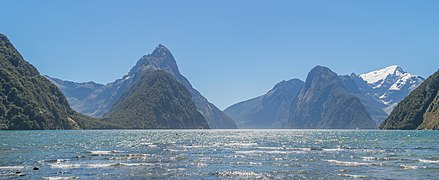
{"x": 391, "y": 84}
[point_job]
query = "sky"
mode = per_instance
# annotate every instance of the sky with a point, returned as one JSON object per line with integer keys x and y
{"x": 229, "y": 50}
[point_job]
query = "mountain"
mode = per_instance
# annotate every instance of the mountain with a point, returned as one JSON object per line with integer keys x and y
{"x": 30, "y": 101}
{"x": 156, "y": 101}
{"x": 102, "y": 97}
{"x": 419, "y": 110}
{"x": 358, "y": 87}
{"x": 81, "y": 96}
{"x": 270, "y": 110}
{"x": 324, "y": 103}
{"x": 391, "y": 84}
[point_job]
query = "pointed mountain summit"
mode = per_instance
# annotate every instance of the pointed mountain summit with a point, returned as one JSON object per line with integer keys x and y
{"x": 270, "y": 110}
{"x": 376, "y": 77}
{"x": 324, "y": 103}
{"x": 391, "y": 84}
{"x": 100, "y": 101}
{"x": 162, "y": 59}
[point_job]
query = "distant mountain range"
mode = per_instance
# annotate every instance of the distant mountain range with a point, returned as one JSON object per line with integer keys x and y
{"x": 97, "y": 100}
{"x": 391, "y": 84}
{"x": 155, "y": 95}
{"x": 270, "y": 110}
{"x": 378, "y": 91}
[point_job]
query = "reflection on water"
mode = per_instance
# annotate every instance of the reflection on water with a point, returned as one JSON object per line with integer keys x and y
{"x": 188, "y": 154}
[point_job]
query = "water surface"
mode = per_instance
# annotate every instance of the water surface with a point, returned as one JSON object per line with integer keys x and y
{"x": 219, "y": 154}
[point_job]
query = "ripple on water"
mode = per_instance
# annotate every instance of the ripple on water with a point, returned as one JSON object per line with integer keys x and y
{"x": 350, "y": 163}
{"x": 411, "y": 167}
{"x": 428, "y": 161}
{"x": 12, "y": 167}
{"x": 238, "y": 174}
{"x": 96, "y": 165}
{"x": 352, "y": 176}
{"x": 59, "y": 178}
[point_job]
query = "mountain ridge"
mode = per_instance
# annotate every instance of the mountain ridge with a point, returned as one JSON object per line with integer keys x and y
{"x": 324, "y": 103}
{"x": 269, "y": 110}
{"x": 419, "y": 110}
{"x": 30, "y": 101}
{"x": 100, "y": 101}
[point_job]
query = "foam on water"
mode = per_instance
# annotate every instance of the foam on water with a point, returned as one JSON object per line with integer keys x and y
{"x": 12, "y": 167}
{"x": 59, "y": 178}
{"x": 428, "y": 161}
{"x": 348, "y": 163}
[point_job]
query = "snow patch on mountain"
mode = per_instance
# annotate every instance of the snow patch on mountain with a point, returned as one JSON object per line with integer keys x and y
{"x": 391, "y": 84}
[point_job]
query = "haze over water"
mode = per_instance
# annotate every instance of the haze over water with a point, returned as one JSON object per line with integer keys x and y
{"x": 213, "y": 154}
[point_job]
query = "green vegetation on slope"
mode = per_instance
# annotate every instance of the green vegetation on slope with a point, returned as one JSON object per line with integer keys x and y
{"x": 30, "y": 101}
{"x": 419, "y": 110}
{"x": 156, "y": 101}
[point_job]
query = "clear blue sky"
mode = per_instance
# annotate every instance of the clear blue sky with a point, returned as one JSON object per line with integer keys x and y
{"x": 230, "y": 50}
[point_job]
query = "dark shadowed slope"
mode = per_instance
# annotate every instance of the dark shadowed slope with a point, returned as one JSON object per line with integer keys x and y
{"x": 30, "y": 101}
{"x": 156, "y": 101}
{"x": 419, "y": 110}
{"x": 325, "y": 103}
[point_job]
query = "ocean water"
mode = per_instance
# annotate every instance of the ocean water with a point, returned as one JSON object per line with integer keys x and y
{"x": 219, "y": 154}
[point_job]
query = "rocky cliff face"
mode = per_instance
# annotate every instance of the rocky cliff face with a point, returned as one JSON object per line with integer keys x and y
{"x": 358, "y": 87}
{"x": 324, "y": 103}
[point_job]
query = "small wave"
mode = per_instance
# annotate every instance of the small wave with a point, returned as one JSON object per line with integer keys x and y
{"x": 103, "y": 153}
{"x": 380, "y": 159}
{"x": 352, "y": 176}
{"x": 99, "y": 153}
{"x": 54, "y": 160}
{"x": 261, "y": 152}
{"x": 103, "y": 165}
{"x": 130, "y": 156}
{"x": 237, "y": 174}
{"x": 65, "y": 166}
{"x": 11, "y": 167}
{"x": 240, "y": 144}
{"x": 428, "y": 161}
{"x": 406, "y": 166}
{"x": 59, "y": 178}
{"x": 348, "y": 163}
{"x": 334, "y": 149}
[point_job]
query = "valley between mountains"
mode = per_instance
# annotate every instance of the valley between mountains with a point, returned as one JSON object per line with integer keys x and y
{"x": 155, "y": 95}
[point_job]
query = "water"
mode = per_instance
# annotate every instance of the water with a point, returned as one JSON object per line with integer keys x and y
{"x": 219, "y": 154}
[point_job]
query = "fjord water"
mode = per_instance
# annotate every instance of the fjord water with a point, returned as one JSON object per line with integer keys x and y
{"x": 213, "y": 154}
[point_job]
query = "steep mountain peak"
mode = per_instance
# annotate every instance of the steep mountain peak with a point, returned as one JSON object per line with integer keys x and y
{"x": 318, "y": 75}
{"x": 161, "y": 51}
{"x": 391, "y": 84}
{"x": 321, "y": 71}
{"x": 325, "y": 102}
{"x": 160, "y": 59}
{"x": 380, "y": 74}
